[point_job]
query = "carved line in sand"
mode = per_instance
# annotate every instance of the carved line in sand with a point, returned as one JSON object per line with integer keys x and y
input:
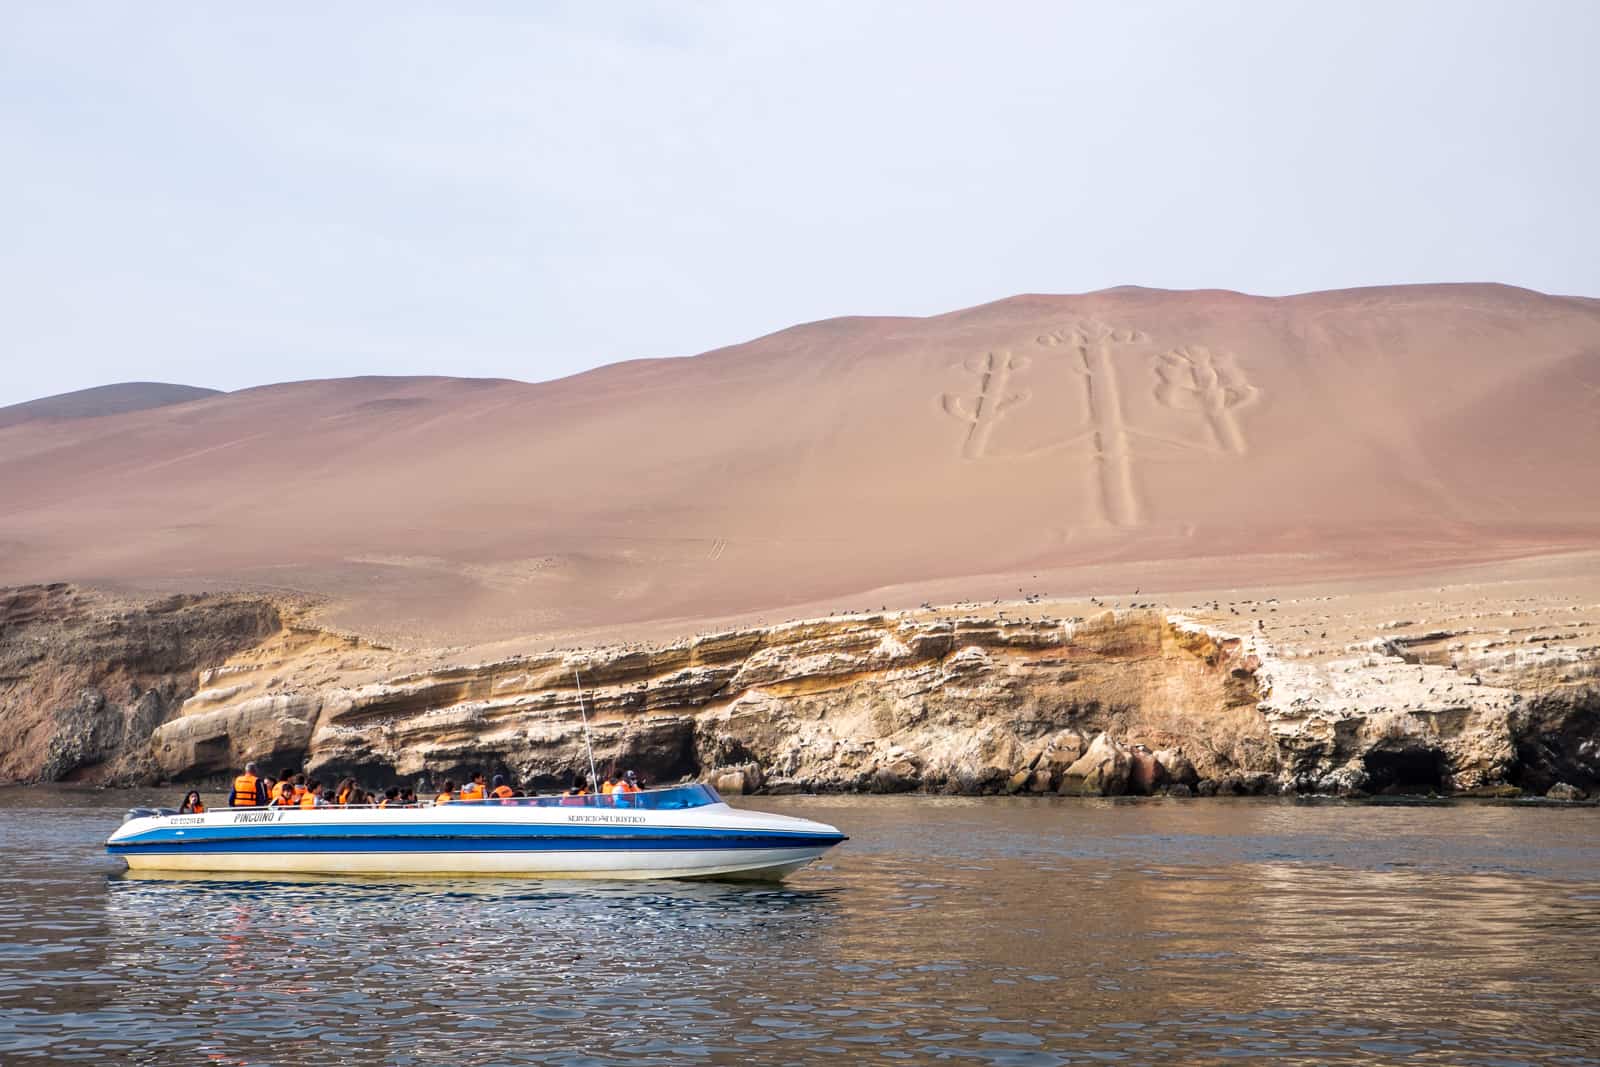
{"x": 993, "y": 399}
{"x": 1189, "y": 379}
{"x": 1194, "y": 378}
{"x": 718, "y": 547}
{"x": 1091, "y": 343}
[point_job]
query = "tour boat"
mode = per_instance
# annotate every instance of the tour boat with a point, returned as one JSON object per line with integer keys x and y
{"x": 684, "y": 831}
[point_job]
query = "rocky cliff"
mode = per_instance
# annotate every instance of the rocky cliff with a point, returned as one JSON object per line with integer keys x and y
{"x": 974, "y": 701}
{"x": 85, "y": 678}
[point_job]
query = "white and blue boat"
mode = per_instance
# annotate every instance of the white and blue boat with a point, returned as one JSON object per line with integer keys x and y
{"x": 685, "y": 831}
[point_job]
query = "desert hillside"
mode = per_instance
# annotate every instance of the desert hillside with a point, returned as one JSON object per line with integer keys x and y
{"x": 102, "y": 400}
{"x": 1057, "y": 444}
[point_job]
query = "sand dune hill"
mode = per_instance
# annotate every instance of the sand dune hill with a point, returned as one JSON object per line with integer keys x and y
{"x": 103, "y": 400}
{"x": 1189, "y": 436}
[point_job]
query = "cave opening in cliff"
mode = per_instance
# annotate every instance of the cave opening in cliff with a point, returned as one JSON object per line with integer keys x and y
{"x": 1409, "y": 770}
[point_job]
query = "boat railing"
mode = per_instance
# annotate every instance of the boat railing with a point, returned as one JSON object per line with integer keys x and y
{"x": 666, "y": 798}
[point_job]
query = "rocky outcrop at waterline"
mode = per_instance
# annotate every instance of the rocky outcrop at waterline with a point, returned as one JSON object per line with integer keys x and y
{"x": 975, "y": 702}
{"x": 85, "y": 679}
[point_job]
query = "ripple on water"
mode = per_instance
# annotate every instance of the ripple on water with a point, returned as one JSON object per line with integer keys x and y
{"x": 996, "y": 933}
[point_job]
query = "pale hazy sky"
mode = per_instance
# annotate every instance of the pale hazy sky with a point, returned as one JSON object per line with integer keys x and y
{"x": 232, "y": 194}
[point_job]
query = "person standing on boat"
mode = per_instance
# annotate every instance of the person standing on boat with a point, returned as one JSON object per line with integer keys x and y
{"x": 249, "y": 791}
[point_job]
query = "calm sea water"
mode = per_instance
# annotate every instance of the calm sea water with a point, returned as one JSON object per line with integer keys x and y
{"x": 1007, "y": 932}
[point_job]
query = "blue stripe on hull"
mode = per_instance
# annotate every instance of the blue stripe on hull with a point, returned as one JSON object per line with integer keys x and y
{"x": 522, "y": 841}
{"x": 462, "y": 829}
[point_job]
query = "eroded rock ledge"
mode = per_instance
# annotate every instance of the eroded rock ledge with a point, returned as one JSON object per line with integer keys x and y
{"x": 85, "y": 679}
{"x": 1131, "y": 701}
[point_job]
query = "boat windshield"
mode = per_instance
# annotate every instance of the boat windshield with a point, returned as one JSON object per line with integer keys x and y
{"x": 672, "y": 798}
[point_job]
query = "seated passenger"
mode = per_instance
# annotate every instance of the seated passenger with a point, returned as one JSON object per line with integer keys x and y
{"x": 448, "y": 795}
{"x": 501, "y": 791}
{"x": 192, "y": 805}
{"x": 298, "y": 782}
{"x": 408, "y": 798}
{"x": 313, "y": 796}
{"x": 358, "y": 797}
{"x": 342, "y": 794}
{"x": 391, "y": 798}
{"x": 282, "y": 784}
{"x": 475, "y": 789}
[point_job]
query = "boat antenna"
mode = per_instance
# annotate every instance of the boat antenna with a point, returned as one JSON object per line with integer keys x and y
{"x": 594, "y": 779}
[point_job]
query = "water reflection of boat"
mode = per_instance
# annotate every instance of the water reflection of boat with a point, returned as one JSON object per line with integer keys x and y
{"x": 679, "y": 832}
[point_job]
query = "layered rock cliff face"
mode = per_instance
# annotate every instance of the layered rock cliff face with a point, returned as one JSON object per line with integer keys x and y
{"x": 85, "y": 679}
{"x": 1119, "y": 702}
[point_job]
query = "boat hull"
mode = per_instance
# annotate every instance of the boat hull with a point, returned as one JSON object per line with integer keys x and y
{"x": 755, "y": 864}
{"x": 703, "y": 838}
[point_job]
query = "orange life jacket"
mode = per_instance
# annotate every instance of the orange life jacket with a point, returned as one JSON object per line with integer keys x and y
{"x": 309, "y": 800}
{"x": 198, "y": 809}
{"x": 502, "y": 791}
{"x": 384, "y": 803}
{"x": 443, "y": 798}
{"x": 299, "y": 794}
{"x": 343, "y": 797}
{"x": 244, "y": 791}
{"x": 277, "y": 792}
{"x": 472, "y": 791}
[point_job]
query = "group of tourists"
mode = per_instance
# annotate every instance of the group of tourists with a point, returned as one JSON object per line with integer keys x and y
{"x": 294, "y": 789}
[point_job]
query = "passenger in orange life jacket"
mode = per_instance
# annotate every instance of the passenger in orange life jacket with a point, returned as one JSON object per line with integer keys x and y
{"x": 621, "y": 790}
{"x": 391, "y": 797}
{"x": 283, "y": 796}
{"x": 346, "y": 787}
{"x": 448, "y": 795}
{"x": 192, "y": 805}
{"x": 475, "y": 789}
{"x": 501, "y": 791}
{"x": 298, "y": 786}
{"x": 249, "y": 791}
{"x": 313, "y": 797}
